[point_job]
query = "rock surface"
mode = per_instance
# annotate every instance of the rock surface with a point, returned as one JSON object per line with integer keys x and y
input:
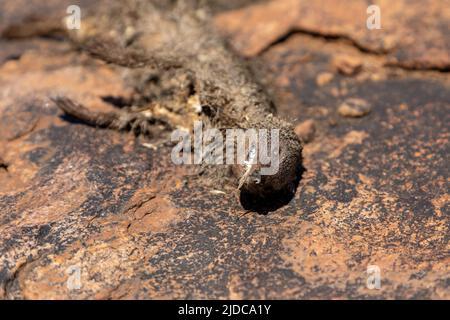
{"x": 411, "y": 36}
{"x": 354, "y": 108}
{"x": 98, "y": 204}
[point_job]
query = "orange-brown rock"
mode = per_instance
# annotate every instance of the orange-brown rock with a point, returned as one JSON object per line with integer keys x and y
{"x": 411, "y": 37}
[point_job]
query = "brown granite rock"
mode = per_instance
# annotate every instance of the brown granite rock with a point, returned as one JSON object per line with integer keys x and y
{"x": 306, "y": 130}
{"x": 410, "y": 35}
{"x": 347, "y": 65}
{"x": 324, "y": 78}
{"x": 354, "y": 108}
